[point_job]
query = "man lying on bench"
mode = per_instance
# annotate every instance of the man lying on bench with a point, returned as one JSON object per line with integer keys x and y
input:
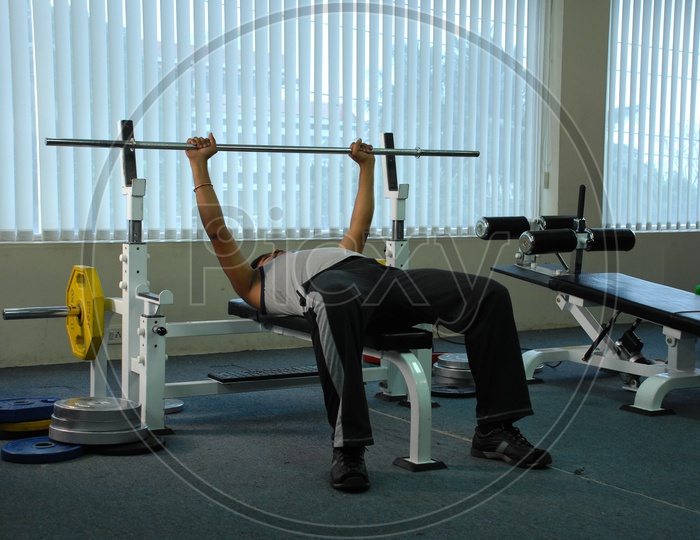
{"x": 341, "y": 293}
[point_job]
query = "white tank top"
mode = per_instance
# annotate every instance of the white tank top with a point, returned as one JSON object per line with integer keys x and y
{"x": 284, "y": 277}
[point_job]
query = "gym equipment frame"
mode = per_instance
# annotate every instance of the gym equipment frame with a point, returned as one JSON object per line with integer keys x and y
{"x": 405, "y": 364}
{"x": 677, "y": 312}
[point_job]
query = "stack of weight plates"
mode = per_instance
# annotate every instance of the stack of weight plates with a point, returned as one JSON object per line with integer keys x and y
{"x": 25, "y": 417}
{"x": 97, "y": 421}
{"x": 452, "y": 376}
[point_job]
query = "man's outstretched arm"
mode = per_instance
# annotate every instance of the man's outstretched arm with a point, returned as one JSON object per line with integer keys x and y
{"x": 243, "y": 278}
{"x": 363, "y": 211}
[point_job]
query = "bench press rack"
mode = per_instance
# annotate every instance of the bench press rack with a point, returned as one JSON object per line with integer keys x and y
{"x": 676, "y": 311}
{"x": 405, "y": 364}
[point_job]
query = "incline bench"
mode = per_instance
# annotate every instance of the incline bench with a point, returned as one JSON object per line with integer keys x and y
{"x": 677, "y": 311}
{"x": 405, "y": 364}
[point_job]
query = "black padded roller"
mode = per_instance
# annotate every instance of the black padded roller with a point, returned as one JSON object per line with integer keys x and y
{"x": 610, "y": 239}
{"x": 556, "y": 222}
{"x": 501, "y": 228}
{"x": 554, "y": 241}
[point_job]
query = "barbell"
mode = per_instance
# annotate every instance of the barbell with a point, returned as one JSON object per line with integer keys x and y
{"x": 150, "y": 145}
{"x": 84, "y": 312}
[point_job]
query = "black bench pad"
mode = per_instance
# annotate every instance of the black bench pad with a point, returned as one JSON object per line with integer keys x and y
{"x": 378, "y": 339}
{"x": 650, "y": 301}
{"x": 653, "y": 302}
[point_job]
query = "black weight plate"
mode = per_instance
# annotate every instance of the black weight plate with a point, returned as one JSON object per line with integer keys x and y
{"x": 438, "y": 390}
{"x": 14, "y": 435}
{"x": 26, "y": 409}
{"x": 150, "y": 444}
{"x": 39, "y": 450}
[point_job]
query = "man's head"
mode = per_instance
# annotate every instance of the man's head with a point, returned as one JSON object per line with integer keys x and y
{"x": 265, "y": 257}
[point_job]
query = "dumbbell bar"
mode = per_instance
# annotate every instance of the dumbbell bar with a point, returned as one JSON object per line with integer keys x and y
{"x": 146, "y": 145}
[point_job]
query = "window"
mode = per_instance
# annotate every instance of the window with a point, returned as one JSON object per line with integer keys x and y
{"x": 653, "y": 116}
{"x": 438, "y": 74}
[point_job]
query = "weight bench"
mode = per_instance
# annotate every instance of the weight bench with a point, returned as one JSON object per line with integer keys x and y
{"x": 676, "y": 311}
{"x": 404, "y": 371}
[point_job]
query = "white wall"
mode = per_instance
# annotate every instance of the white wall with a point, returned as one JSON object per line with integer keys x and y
{"x": 36, "y": 275}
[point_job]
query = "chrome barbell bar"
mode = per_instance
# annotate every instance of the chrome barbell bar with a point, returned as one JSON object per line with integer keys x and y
{"x": 146, "y": 145}
{"x": 47, "y": 312}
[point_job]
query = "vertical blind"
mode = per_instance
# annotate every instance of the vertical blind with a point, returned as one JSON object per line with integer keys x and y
{"x": 653, "y": 116}
{"x": 440, "y": 74}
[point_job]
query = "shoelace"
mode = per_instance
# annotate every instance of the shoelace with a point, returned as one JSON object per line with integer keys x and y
{"x": 351, "y": 457}
{"x": 519, "y": 437}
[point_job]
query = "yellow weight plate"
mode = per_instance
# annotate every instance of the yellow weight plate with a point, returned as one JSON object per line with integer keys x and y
{"x": 32, "y": 425}
{"x": 86, "y": 327}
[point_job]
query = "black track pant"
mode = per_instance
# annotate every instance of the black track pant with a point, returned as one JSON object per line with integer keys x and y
{"x": 343, "y": 301}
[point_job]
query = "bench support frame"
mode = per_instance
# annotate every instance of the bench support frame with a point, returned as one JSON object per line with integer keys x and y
{"x": 660, "y": 377}
{"x": 145, "y": 332}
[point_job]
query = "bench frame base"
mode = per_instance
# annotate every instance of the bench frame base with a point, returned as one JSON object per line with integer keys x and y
{"x": 660, "y": 377}
{"x": 145, "y": 331}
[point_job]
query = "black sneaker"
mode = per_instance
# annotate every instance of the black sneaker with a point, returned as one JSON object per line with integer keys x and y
{"x": 508, "y": 444}
{"x": 348, "y": 470}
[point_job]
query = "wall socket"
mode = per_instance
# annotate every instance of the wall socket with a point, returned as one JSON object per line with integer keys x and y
{"x": 114, "y": 336}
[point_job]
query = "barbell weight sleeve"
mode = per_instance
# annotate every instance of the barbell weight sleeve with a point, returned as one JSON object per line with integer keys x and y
{"x": 45, "y": 312}
{"x": 83, "y": 312}
{"x": 554, "y": 241}
{"x": 501, "y": 228}
{"x": 150, "y": 145}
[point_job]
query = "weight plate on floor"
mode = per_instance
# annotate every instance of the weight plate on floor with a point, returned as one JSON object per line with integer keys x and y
{"x": 94, "y": 409}
{"x": 441, "y": 390}
{"x": 39, "y": 450}
{"x": 455, "y": 361}
{"x": 453, "y": 374}
{"x": 173, "y": 406}
{"x": 149, "y": 444}
{"x": 14, "y": 435}
{"x": 32, "y": 425}
{"x": 26, "y": 409}
{"x": 98, "y": 437}
{"x": 86, "y": 425}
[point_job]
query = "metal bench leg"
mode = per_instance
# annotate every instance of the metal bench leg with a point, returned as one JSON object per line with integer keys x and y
{"x": 652, "y": 391}
{"x": 681, "y": 373}
{"x": 418, "y": 386}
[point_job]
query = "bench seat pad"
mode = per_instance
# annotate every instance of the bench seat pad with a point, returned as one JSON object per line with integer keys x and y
{"x": 379, "y": 339}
